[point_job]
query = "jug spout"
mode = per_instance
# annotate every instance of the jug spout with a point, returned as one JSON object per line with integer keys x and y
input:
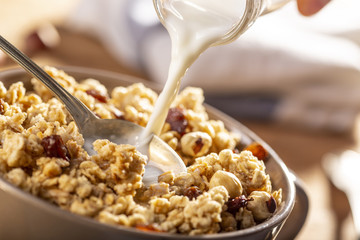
{"x": 249, "y": 11}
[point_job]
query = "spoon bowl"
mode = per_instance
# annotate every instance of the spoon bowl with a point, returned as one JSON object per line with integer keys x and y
{"x": 161, "y": 156}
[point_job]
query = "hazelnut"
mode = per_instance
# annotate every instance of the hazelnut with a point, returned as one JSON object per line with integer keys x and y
{"x": 196, "y": 144}
{"x": 229, "y": 181}
{"x": 263, "y": 205}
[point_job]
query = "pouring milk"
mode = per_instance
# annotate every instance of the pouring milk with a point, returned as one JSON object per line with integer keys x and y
{"x": 194, "y": 26}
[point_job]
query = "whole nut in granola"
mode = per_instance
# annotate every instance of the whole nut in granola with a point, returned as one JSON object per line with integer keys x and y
{"x": 262, "y": 205}
{"x": 196, "y": 144}
{"x": 229, "y": 181}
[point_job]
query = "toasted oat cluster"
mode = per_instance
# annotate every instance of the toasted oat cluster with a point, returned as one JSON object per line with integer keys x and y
{"x": 224, "y": 189}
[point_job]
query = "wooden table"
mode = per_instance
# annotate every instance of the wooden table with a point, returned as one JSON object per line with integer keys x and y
{"x": 301, "y": 149}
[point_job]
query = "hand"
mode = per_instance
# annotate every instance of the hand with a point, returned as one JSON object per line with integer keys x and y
{"x": 310, "y": 7}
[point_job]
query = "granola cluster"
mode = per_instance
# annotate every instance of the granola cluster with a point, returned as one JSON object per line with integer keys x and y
{"x": 224, "y": 189}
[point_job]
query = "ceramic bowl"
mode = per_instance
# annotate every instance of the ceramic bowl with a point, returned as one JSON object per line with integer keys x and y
{"x": 23, "y": 216}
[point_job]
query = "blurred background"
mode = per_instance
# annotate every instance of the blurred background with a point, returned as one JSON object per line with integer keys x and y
{"x": 293, "y": 80}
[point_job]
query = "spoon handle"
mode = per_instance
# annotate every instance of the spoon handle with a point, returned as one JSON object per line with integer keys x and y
{"x": 80, "y": 113}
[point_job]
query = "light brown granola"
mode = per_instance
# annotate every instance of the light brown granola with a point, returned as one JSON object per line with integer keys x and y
{"x": 41, "y": 152}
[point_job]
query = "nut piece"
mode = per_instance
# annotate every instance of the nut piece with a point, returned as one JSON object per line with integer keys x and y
{"x": 229, "y": 181}
{"x": 262, "y": 206}
{"x": 196, "y": 144}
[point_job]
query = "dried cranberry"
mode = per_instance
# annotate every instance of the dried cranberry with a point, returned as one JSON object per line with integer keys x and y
{"x": 176, "y": 119}
{"x": 147, "y": 228}
{"x": 97, "y": 95}
{"x": 235, "y": 204}
{"x": 54, "y": 147}
{"x": 257, "y": 150}
{"x": 271, "y": 204}
{"x": 2, "y": 110}
{"x": 192, "y": 192}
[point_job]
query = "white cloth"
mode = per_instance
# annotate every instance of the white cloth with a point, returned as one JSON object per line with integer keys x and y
{"x": 311, "y": 63}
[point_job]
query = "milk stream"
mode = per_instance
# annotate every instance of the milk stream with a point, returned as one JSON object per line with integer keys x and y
{"x": 193, "y": 26}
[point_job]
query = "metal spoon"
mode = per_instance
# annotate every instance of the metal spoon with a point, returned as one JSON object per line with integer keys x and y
{"x": 162, "y": 157}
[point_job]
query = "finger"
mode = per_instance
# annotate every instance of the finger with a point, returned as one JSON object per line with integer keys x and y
{"x": 310, "y": 7}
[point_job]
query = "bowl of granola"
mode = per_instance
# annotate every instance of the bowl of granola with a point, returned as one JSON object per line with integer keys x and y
{"x": 235, "y": 186}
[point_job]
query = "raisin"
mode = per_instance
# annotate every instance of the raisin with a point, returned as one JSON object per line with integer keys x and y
{"x": 54, "y": 147}
{"x": 235, "y": 204}
{"x": 258, "y": 151}
{"x": 176, "y": 119}
{"x": 271, "y": 204}
{"x": 97, "y": 95}
{"x": 198, "y": 145}
{"x": 192, "y": 192}
{"x": 2, "y": 110}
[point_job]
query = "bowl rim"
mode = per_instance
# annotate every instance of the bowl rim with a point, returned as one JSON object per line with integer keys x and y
{"x": 278, "y": 218}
